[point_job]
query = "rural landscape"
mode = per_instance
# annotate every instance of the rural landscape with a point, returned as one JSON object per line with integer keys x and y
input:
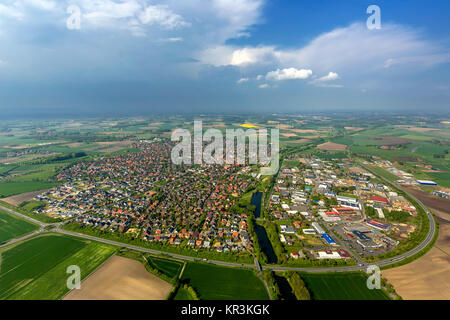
{"x": 107, "y": 198}
{"x": 224, "y": 158}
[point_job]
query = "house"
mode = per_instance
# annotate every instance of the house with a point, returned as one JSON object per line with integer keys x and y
{"x": 287, "y": 229}
{"x": 294, "y": 255}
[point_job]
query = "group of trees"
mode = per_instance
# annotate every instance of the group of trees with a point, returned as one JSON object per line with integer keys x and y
{"x": 272, "y": 234}
{"x": 269, "y": 276}
{"x": 298, "y": 286}
{"x": 262, "y": 258}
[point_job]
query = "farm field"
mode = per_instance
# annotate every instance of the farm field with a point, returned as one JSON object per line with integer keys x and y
{"x": 25, "y": 262}
{"x": 222, "y": 283}
{"x": 52, "y": 284}
{"x": 405, "y": 144}
{"x": 170, "y": 268}
{"x": 430, "y": 200}
{"x": 427, "y": 277}
{"x": 183, "y": 294}
{"x": 23, "y": 197}
{"x": 348, "y": 286}
{"x": 36, "y": 269}
{"x": 8, "y": 189}
{"x": 121, "y": 279}
{"x": 12, "y": 227}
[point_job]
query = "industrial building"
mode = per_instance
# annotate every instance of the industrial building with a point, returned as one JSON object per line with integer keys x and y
{"x": 328, "y": 239}
{"x": 318, "y": 228}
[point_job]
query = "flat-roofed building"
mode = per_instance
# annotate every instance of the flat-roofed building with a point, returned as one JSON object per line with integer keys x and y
{"x": 318, "y": 228}
{"x": 328, "y": 255}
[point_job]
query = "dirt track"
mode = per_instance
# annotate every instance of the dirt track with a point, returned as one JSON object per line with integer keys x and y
{"x": 121, "y": 279}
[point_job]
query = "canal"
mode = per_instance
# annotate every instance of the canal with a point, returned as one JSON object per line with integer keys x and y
{"x": 285, "y": 288}
{"x": 264, "y": 244}
{"x": 257, "y": 202}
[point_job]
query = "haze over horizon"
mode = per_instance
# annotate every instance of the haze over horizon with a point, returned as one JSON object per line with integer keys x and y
{"x": 222, "y": 56}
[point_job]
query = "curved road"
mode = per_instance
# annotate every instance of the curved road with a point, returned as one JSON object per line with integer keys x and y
{"x": 361, "y": 267}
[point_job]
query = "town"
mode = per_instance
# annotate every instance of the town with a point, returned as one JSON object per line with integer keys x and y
{"x": 321, "y": 210}
{"x": 146, "y": 196}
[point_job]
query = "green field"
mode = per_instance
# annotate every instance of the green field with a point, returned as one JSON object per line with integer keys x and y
{"x": 12, "y": 188}
{"x": 52, "y": 284}
{"x": 342, "y": 286}
{"x": 36, "y": 268}
{"x": 222, "y": 283}
{"x": 183, "y": 294}
{"x": 13, "y": 227}
{"x": 170, "y": 268}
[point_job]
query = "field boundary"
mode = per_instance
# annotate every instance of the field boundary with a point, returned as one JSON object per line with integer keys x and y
{"x": 90, "y": 274}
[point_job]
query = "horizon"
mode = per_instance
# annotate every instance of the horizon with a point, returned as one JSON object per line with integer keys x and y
{"x": 76, "y": 57}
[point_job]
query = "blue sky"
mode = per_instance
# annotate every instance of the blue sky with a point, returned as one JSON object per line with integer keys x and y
{"x": 141, "y": 56}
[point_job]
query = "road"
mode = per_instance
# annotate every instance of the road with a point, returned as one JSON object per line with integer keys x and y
{"x": 41, "y": 224}
{"x": 360, "y": 267}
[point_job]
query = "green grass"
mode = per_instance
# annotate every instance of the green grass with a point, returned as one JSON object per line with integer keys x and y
{"x": 13, "y": 227}
{"x": 384, "y": 173}
{"x": 222, "y": 283}
{"x": 8, "y": 188}
{"x": 27, "y": 209}
{"x": 341, "y": 286}
{"x": 441, "y": 178}
{"x": 170, "y": 268}
{"x": 183, "y": 294}
{"x": 27, "y": 261}
{"x": 52, "y": 284}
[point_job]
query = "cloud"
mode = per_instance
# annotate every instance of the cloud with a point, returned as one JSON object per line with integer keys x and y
{"x": 264, "y": 86}
{"x": 47, "y": 5}
{"x": 356, "y": 48}
{"x": 175, "y": 39}
{"x": 331, "y": 76}
{"x": 242, "y": 80}
{"x": 288, "y": 74}
{"x": 132, "y": 15}
{"x": 13, "y": 11}
{"x": 327, "y": 85}
{"x": 230, "y": 56}
{"x": 162, "y": 16}
{"x": 351, "y": 49}
{"x": 235, "y": 16}
{"x": 324, "y": 81}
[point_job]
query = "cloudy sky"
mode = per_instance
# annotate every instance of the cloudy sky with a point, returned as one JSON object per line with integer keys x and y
{"x": 71, "y": 57}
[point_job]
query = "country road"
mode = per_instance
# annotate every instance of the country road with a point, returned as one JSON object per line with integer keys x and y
{"x": 360, "y": 267}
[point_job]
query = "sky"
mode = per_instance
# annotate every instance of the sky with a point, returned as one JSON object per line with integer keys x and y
{"x": 118, "y": 57}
